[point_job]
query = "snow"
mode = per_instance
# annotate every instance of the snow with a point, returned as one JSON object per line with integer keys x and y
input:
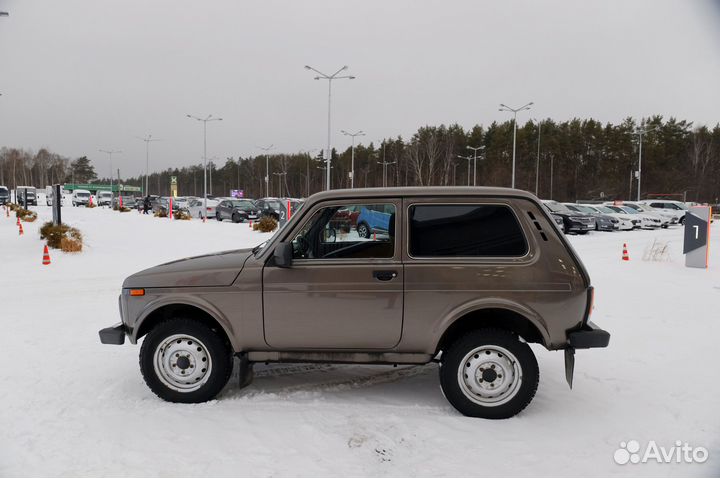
{"x": 71, "y": 406}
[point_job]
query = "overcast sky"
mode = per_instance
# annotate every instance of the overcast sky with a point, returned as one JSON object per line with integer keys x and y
{"x": 81, "y": 75}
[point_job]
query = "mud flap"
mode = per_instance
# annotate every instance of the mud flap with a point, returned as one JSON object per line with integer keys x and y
{"x": 247, "y": 373}
{"x": 569, "y": 365}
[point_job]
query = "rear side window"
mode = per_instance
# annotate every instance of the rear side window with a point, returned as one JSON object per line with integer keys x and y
{"x": 465, "y": 230}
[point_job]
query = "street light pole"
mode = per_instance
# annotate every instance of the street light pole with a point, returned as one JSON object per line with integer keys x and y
{"x": 148, "y": 139}
{"x": 537, "y": 161}
{"x": 334, "y": 76}
{"x": 204, "y": 122}
{"x": 266, "y": 149}
{"x": 110, "y": 152}
{"x": 640, "y": 132}
{"x": 514, "y": 111}
{"x": 352, "y": 155}
{"x": 475, "y": 151}
{"x": 469, "y": 158}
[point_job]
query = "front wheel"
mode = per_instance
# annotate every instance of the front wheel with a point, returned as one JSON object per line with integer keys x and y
{"x": 236, "y": 218}
{"x": 489, "y": 373}
{"x": 185, "y": 361}
{"x": 363, "y": 230}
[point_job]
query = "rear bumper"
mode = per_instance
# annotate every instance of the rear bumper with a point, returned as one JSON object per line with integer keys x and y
{"x": 114, "y": 335}
{"x": 590, "y": 336}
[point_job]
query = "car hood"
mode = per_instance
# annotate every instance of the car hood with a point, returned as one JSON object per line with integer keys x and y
{"x": 210, "y": 270}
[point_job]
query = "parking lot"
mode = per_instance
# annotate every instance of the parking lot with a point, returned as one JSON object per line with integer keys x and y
{"x": 81, "y": 407}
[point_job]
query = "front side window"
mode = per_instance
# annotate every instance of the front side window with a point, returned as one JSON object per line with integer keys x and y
{"x": 465, "y": 230}
{"x": 358, "y": 231}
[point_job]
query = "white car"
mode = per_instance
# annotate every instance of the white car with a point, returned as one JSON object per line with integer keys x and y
{"x": 646, "y": 221}
{"x": 104, "y": 198}
{"x": 676, "y": 209}
{"x": 80, "y": 197}
{"x": 625, "y": 221}
{"x": 665, "y": 219}
{"x": 196, "y": 208}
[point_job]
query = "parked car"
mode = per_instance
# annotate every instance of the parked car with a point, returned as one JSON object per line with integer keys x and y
{"x": 574, "y": 222}
{"x": 4, "y": 195}
{"x": 625, "y": 221}
{"x": 374, "y": 219}
{"x": 675, "y": 209}
{"x": 196, "y": 208}
{"x": 665, "y": 218}
{"x": 237, "y": 210}
{"x": 26, "y": 193}
{"x": 128, "y": 201}
{"x": 269, "y": 207}
{"x": 646, "y": 221}
{"x": 104, "y": 198}
{"x": 603, "y": 222}
{"x": 467, "y": 277}
{"x": 80, "y": 197}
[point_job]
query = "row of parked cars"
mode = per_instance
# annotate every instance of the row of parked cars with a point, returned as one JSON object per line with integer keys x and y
{"x": 580, "y": 218}
{"x": 221, "y": 208}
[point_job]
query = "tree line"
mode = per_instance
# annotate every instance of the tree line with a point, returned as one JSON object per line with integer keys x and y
{"x": 576, "y": 159}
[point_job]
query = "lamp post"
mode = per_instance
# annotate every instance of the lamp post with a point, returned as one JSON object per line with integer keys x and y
{"x": 148, "y": 139}
{"x": 514, "y": 111}
{"x": 385, "y": 165}
{"x": 110, "y": 152}
{"x": 266, "y": 149}
{"x": 469, "y": 158}
{"x": 279, "y": 176}
{"x": 537, "y": 161}
{"x": 330, "y": 78}
{"x": 204, "y": 122}
{"x": 640, "y": 132}
{"x": 475, "y": 151}
{"x": 352, "y": 155}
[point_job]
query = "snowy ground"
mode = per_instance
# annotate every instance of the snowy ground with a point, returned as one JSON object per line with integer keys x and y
{"x": 71, "y": 406}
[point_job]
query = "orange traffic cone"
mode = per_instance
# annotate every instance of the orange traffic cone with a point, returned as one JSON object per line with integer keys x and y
{"x": 625, "y": 255}
{"x": 251, "y": 224}
{"x": 20, "y": 230}
{"x": 17, "y": 223}
{"x": 374, "y": 237}
{"x": 46, "y": 256}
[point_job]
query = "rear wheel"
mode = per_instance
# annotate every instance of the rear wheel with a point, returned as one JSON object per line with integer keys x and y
{"x": 185, "y": 361}
{"x": 363, "y": 230}
{"x": 489, "y": 373}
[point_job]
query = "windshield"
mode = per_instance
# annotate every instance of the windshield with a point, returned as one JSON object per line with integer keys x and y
{"x": 83, "y": 195}
{"x": 556, "y": 207}
{"x": 587, "y": 209}
{"x": 245, "y": 204}
{"x": 629, "y": 210}
{"x": 604, "y": 209}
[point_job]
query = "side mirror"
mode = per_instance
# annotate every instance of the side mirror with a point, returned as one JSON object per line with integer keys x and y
{"x": 283, "y": 254}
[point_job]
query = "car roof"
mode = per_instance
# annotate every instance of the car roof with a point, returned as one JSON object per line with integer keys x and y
{"x": 440, "y": 191}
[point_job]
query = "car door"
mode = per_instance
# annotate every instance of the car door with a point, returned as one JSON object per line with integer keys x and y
{"x": 342, "y": 291}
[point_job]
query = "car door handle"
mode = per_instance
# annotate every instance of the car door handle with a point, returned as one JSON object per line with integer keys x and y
{"x": 384, "y": 275}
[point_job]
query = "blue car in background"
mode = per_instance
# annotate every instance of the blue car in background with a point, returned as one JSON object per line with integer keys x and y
{"x": 374, "y": 219}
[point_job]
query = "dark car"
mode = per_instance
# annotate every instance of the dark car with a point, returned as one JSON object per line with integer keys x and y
{"x": 237, "y": 210}
{"x": 271, "y": 207}
{"x": 603, "y": 222}
{"x": 127, "y": 201}
{"x": 573, "y": 221}
{"x": 4, "y": 195}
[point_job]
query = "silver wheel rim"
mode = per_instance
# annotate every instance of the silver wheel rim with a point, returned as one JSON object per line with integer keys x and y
{"x": 182, "y": 363}
{"x": 363, "y": 231}
{"x": 490, "y": 375}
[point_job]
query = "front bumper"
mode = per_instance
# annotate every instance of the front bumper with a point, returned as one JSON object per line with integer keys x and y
{"x": 114, "y": 335}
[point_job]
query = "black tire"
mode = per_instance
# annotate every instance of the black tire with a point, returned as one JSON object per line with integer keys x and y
{"x": 218, "y": 217}
{"x": 528, "y": 372}
{"x": 218, "y": 350}
{"x": 363, "y": 230}
{"x": 236, "y": 218}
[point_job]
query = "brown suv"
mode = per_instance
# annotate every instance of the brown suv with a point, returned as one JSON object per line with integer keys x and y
{"x": 465, "y": 277}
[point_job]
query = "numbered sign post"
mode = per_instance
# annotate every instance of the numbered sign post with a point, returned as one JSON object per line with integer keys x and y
{"x": 697, "y": 237}
{"x": 283, "y": 214}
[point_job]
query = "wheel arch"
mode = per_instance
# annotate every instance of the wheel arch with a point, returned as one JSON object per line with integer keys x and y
{"x": 169, "y": 311}
{"x": 498, "y": 317}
